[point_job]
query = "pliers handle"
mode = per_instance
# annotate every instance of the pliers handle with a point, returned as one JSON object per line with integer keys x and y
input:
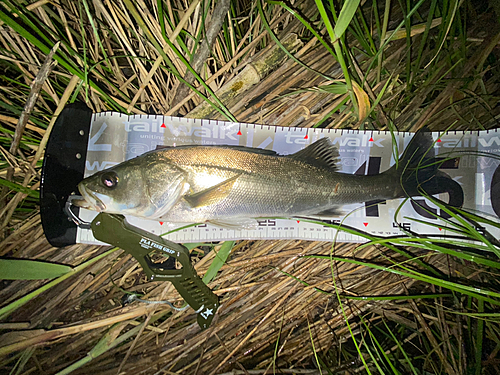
{"x": 115, "y": 230}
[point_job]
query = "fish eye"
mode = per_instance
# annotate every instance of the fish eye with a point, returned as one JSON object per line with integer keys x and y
{"x": 109, "y": 179}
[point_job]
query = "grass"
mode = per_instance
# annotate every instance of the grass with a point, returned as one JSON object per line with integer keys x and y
{"x": 398, "y": 305}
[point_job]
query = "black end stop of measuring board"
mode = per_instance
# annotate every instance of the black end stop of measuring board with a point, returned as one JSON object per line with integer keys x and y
{"x": 62, "y": 170}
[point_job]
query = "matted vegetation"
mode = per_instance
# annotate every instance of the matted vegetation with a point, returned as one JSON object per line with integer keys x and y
{"x": 411, "y": 305}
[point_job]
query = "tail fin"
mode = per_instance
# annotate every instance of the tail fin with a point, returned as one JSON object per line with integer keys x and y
{"x": 417, "y": 170}
{"x": 416, "y": 165}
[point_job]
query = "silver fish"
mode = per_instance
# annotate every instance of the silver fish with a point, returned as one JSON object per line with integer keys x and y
{"x": 232, "y": 186}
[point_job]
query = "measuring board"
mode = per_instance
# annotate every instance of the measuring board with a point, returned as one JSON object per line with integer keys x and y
{"x": 115, "y": 137}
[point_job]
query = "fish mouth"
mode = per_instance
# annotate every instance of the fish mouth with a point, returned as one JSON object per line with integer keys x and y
{"x": 90, "y": 200}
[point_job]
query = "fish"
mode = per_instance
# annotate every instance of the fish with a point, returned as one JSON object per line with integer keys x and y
{"x": 233, "y": 186}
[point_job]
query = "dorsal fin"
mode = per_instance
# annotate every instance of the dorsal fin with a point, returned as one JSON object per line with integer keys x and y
{"x": 320, "y": 154}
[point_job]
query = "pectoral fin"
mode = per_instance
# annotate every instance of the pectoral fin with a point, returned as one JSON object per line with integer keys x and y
{"x": 213, "y": 194}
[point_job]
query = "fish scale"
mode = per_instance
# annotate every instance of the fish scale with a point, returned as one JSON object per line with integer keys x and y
{"x": 232, "y": 185}
{"x": 268, "y": 186}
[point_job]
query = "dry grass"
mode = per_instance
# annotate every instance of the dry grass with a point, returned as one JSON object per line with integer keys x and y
{"x": 268, "y": 319}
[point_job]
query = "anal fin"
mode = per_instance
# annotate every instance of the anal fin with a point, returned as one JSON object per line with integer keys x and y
{"x": 237, "y": 223}
{"x": 331, "y": 212}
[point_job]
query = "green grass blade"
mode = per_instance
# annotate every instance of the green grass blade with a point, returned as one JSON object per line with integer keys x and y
{"x": 305, "y": 23}
{"x": 335, "y": 40}
{"x": 24, "y": 269}
{"x": 313, "y": 348}
{"x": 95, "y": 30}
{"x": 20, "y": 188}
{"x": 277, "y": 41}
{"x": 106, "y": 343}
{"x": 384, "y": 358}
{"x": 219, "y": 261}
{"x": 11, "y": 307}
{"x": 39, "y": 39}
{"x": 367, "y": 297}
{"x": 185, "y": 62}
{"x": 21, "y": 363}
{"x": 394, "y": 338}
{"x": 369, "y": 237}
{"x": 433, "y": 245}
{"x": 345, "y": 17}
{"x": 479, "y": 339}
{"x": 460, "y": 288}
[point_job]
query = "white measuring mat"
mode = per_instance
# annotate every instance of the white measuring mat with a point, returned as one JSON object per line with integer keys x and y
{"x": 115, "y": 137}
